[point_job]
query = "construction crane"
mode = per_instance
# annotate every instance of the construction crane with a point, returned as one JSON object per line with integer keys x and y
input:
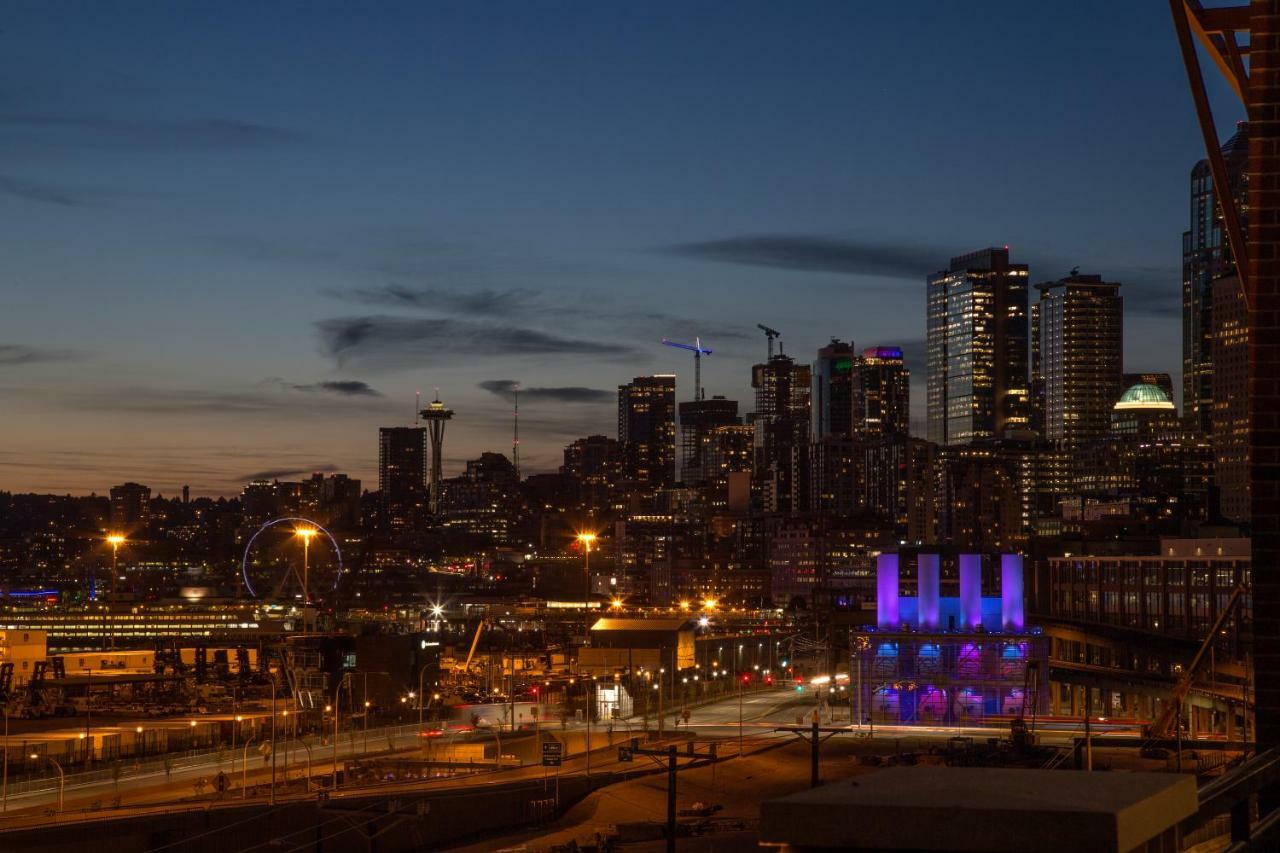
{"x": 1163, "y": 725}
{"x": 698, "y": 351}
{"x": 475, "y": 641}
{"x": 771, "y": 334}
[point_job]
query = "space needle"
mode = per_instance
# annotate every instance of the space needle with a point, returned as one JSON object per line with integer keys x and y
{"x": 436, "y": 416}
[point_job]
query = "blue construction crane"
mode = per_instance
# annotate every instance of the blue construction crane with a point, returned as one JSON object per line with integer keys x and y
{"x": 698, "y": 351}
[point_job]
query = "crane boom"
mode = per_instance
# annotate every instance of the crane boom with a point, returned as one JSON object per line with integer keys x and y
{"x": 475, "y": 641}
{"x": 698, "y": 351}
{"x": 1162, "y": 726}
{"x": 769, "y": 333}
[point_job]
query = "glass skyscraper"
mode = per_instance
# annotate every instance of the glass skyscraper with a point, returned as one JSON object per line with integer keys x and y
{"x": 976, "y": 354}
{"x": 1078, "y": 358}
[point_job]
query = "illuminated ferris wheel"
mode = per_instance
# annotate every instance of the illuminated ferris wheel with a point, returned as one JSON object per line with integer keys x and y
{"x": 280, "y": 564}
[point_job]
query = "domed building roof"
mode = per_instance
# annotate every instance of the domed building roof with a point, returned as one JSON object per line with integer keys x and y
{"x": 1145, "y": 396}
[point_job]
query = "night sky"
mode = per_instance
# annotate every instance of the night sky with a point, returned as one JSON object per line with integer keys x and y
{"x": 235, "y": 238}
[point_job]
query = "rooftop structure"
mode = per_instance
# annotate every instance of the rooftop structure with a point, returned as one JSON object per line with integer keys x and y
{"x": 987, "y": 809}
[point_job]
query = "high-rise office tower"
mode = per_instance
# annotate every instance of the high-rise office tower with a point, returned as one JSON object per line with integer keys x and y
{"x": 130, "y": 507}
{"x": 882, "y": 393}
{"x": 976, "y": 356}
{"x": 1230, "y": 421}
{"x": 647, "y": 429}
{"x": 834, "y": 376}
{"x": 402, "y": 475}
{"x": 697, "y": 419}
{"x": 782, "y": 434}
{"x": 594, "y": 463}
{"x": 1206, "y": 256}
{"x": 1078, "y": 357}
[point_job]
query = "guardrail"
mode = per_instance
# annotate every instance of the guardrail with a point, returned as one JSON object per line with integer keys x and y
{"x": 1228, "y": 803}
{"x": 381, "y": 739}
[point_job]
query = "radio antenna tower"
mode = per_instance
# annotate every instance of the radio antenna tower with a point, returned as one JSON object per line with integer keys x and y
{"x": 417, "y": 407}
{"x": 515, "y": 429}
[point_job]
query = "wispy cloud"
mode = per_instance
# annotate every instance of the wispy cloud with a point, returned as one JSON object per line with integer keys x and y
{"x": 391, "y": 342}
{"x": 560, "y": 394}
{"x": 814, "y": 253}
{"x": 341, "y": 387}
{"x": 538, "y": 305}
{"x": 105, "y": 131}
{"x": 484, "y": 302}
{"x": 278, "y": 473}
{"x": 209, "y": 403}
{"x": 12, "y": 355}
{"x": 46, "y": 193}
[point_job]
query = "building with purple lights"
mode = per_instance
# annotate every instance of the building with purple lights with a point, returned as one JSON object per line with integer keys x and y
{"x": 934, "y": 659}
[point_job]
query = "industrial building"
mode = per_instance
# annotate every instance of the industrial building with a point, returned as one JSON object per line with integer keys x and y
{"x": 932, "y": 659}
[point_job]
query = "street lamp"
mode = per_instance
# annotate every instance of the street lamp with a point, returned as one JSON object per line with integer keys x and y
{"x": 244, "y": 768}
{"x": 586, "y": 540}
{"x": 115, "y": 540}
{"x": 62, "y": 777}
{"x": 305, "y": 533}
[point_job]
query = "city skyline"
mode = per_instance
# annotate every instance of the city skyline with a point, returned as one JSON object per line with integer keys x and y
{"x": 245, "y": 267}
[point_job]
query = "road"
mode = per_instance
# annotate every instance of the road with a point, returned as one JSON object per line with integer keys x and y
{"x": 753, "y": 716}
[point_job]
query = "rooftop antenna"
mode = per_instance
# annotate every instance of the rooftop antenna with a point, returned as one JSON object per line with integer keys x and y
{"x": 771, "y": 334}
{"x": 417, "y": 406}
{"x": 515, "y": 429}
{"x": 698, "y": 351}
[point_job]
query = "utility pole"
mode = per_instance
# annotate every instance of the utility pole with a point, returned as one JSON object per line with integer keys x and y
{"x": 814, "y": 734}
{"x": 671, "y": 799}
{"x": 671, "y": 753}
{"x": 813, "y": 753}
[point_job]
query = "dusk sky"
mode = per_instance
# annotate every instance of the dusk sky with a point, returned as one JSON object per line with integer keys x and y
{"x": 236, "y": 238}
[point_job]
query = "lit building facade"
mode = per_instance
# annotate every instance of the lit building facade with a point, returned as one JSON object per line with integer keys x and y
{"x": 697, "y": 419}
{"x": 882, "y": 393}
{"x": 1206, "y": 257}
{"x": 1230, "y": 417}
{"x": 782, "y": 414}
{"x": 647, "y": 429}
{"x": 834, "y": 378}
{"x": 402, "y": 475}
{"x": 977, "y": 341}
{"x": 1077, "y": 325}
{"x": 1123, "y": 626}
{"x": 130, "y": 507}
{"x": 940, "y": 660}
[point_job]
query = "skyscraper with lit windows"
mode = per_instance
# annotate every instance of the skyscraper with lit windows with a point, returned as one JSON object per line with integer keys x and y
{"x": 647, "y": 429}
{"x": 402, "y": 475}
{"x": 1078, "y": 327}
{"x": 976, "y": 355}
{"x": 1206, "y": 256}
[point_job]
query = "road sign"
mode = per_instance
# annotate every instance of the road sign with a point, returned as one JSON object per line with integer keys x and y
{"x": 552, "y": 754}
{"x": 624, "y": 754}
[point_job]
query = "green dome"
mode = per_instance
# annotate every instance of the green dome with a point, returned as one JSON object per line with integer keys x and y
{"x": 1145, "y": 396}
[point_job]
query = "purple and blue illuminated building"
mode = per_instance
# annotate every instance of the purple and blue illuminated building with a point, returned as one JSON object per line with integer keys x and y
{"x": 934, "y": 659}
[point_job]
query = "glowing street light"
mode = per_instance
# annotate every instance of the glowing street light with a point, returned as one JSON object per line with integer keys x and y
{"x": 586, "y": 539}
{"x": 709, "y": 604}
{"x": 115, "y": 540}
{"x": 305, "y": 533}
